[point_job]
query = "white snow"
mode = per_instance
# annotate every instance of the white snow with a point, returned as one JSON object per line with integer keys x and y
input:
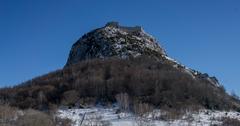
{"x": 136, "y": 37}
{"x": 189, "y": 71}
{"x": 173, "y": 60}
{"x": 112, "y": 31}
{"x": 94, "y": 115}
{"x": 102, "y": 116}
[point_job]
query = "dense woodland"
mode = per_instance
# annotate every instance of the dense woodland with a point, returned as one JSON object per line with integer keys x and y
{"x": 129, "y": 82}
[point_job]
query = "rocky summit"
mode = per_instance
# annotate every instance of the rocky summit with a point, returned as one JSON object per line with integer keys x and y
{"x": 114, "y": 40}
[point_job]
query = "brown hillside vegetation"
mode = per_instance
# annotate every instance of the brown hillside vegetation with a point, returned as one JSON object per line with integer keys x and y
{"x": 10, "y": 116}
{"x": 141, "y": 80}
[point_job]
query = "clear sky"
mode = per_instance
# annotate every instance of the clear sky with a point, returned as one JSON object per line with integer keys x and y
{"x": 36, "y": 35}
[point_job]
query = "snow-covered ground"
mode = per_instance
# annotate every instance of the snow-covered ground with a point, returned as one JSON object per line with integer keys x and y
{"x": 109, "y": 116}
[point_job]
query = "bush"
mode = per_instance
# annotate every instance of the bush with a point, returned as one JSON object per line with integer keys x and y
{"x": 142, "y": 108}
{"x": 70, "y": 98}
{"x": 230, "y": 122}
{"x": 7, "y": 115}
{"x": 123, "y": 101}
{"x": 10, "y": 116}
{"x": 62, "y": 122}
{"x": 35, "y": 118}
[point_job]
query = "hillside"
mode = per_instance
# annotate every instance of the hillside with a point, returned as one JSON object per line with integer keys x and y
{"x": 145, "y": 80}
{"x": 124, "y": 66}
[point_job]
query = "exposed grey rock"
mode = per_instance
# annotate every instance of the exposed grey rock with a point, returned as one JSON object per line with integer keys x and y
{"x": 114, "y": 40}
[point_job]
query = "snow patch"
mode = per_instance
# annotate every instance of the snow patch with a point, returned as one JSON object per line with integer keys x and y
{"x": 111, "y": 116}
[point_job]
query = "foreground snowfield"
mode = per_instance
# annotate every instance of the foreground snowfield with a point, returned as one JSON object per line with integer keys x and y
{"x": 110, "y": 116}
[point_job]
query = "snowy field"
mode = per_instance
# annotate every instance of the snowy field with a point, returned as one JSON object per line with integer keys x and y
{"x": 111, "y": 117}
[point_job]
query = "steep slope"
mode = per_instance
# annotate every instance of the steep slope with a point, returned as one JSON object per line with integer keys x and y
{"x": 114, "y": 40}
{"x": 115, "y": 60}
{"x": 96, "y": 81}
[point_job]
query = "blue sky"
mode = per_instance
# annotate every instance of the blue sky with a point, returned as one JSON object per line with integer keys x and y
{"x": 36, "y": 36}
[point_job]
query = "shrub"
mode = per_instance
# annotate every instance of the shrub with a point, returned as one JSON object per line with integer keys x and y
{"x": 62, "y": 122}
{"x": 35, "y": 118}
{"x": 7, "y": 115}
{"x": 123, "y": 101}
{"x": 142, "y": 108}
{"x": 70, "y": 98}
{"x": 10, "y": 116}
{"x": 230, "y": 122}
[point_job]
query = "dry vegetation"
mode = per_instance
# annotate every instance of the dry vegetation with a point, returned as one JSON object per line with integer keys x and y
{"x": 133, "y": 83}
{"x": 10, "y": 116}
{"x": 230, "y": 122}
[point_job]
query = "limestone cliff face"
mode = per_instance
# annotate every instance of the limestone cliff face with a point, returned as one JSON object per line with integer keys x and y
{"x": 114, "y": 40}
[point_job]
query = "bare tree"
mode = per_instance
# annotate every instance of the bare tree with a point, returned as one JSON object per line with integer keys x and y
{"x": 123, "y": 101}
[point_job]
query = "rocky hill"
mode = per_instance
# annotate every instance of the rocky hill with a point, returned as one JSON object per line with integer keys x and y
{"x": 114, "y": 40}
{"x": 117, "y": 62}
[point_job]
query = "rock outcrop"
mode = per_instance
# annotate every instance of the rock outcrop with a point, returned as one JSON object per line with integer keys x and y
{"x": 114, "y": 40}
